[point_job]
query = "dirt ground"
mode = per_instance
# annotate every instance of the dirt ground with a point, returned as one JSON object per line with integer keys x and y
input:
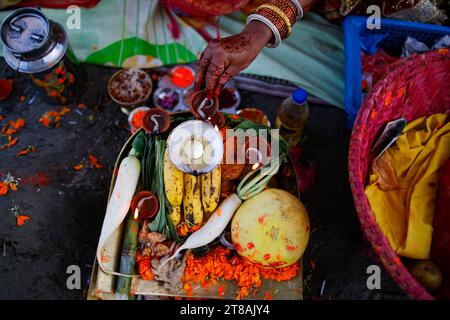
{"x": 67, "y": 210}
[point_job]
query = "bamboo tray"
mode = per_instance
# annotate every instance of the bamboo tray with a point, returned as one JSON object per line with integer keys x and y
{"x": 102, "y": 285}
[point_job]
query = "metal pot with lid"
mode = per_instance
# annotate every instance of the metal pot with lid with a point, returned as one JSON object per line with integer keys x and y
{"x": 37, "y": 46}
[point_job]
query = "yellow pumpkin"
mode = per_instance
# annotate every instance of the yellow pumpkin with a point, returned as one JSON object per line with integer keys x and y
{"x": 271, "y": 229}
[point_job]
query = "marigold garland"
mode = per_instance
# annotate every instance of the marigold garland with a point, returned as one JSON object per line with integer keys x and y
{"x": 218, "y": 264}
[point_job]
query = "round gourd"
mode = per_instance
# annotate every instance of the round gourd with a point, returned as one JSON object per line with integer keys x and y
{"x": 271, "y": 229}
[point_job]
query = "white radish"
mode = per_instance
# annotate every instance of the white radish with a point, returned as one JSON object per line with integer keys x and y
{"x": 212, "y": 228}
{"x": 120, "y": 201}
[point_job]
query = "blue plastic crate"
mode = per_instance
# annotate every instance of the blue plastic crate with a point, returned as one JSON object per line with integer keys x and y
{"x": 395, "y": 34}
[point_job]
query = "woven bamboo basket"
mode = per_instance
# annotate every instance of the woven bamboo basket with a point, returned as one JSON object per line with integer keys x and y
{"x": 418, "y": 86}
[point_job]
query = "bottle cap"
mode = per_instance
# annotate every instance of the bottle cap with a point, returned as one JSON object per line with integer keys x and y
{"x": 300, "y": 96}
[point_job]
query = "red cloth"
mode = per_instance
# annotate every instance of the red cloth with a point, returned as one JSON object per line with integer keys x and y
{"x": 58, "y": 4}
{"x": 205, "y": 8}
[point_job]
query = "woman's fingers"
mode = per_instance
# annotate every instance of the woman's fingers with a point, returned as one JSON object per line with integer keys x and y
{"x": 215, "y": 70}
{"x": 226, "y": 76}
{"x": 201, "y": 66}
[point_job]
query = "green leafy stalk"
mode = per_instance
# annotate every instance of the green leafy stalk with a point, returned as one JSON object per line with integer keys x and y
{"x": 138, "y": 145}
{"x": 249, "y": 188}
{"x": 157, "y": 187}
{"x": 148, "y": 162}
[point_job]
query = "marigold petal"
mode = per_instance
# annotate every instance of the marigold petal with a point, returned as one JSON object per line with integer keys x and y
{"x": 78, "y": 167}
{"x": 3, "y": 189}
{"x": 22, "y": 219}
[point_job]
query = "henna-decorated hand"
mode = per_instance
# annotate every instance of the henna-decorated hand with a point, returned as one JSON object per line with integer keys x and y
{"x": 225, "y": 58}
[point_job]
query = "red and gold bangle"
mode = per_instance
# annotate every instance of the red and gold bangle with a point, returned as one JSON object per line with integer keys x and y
{"x": 279, "y": 12}
{"x": 288, "y": 7}
{"x": 276, "y": 20}
{"x": 279, "y": 16}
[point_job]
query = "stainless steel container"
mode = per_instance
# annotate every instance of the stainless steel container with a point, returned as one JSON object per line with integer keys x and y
{"x": 37, "y": 46}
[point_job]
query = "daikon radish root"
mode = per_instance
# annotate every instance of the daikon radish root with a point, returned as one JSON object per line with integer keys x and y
{"x": 120, "y": 201}
{"x": 212, "y": 228}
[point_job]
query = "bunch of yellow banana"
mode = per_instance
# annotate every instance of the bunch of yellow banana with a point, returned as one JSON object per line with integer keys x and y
{"x": 211, "y": 182}
{"x": 198, "y": 195}
{"x": 173, "y": 186}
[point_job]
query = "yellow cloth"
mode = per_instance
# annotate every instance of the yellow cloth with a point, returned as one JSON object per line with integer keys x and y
{"x": 403, "y": 195}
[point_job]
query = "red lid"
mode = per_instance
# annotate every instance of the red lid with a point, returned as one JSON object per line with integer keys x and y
{"x": 156, "y": 120}
{"x": 147, "y": 205}
{"x": 182, "y": 77}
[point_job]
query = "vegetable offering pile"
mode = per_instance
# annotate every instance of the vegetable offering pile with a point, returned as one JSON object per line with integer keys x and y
{"x": 185, "y": 239}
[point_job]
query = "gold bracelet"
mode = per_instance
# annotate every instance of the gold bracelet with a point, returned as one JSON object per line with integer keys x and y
{"x": 276, "y": 20}
{"x": 288, "y": 7}
{"x": 280, "y": 13}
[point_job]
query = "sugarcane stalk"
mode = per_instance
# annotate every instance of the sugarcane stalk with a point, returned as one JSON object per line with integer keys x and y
{"x": 128, "y": 256}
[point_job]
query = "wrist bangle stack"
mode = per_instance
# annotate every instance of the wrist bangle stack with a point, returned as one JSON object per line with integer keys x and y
{"x": 276, "y": 40}
{"x": 288, "y": 8}
{"x": 277, "y": 20}
{"x": 279, "y": 16}
{"x": 299, "y": 8}
{"x": 280, "y": 13}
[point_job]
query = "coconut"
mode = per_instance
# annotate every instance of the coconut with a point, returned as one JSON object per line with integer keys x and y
{"x": 271, "y": 229}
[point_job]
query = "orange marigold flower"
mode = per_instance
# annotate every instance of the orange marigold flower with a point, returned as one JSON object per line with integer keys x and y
{"x": 22, "y": 219}
{"x": 182, "y": 229}
{"x": 19, "y": 123}
{"x": 3, "y": 188}
{"x": 64, "y": 111}
{"x": 11, "y": 127}
{"x": 11, "y": 141}
{"x": 45, "y": 121}
{"x": 188, "y": 289}
{"x": 78, "y": 167}
{"x": 217, "y": 263}
{"x": 95, "y": 162}
{"x": 144, "y": 267}
{"x": 26, "y": 151}
{"x": 53, "y": 118}
{"x": 8, "y": 181}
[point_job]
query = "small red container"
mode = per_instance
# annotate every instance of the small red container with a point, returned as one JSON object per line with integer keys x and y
{"x": 149, "y": 206}
{"x": 156, "y": 120}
